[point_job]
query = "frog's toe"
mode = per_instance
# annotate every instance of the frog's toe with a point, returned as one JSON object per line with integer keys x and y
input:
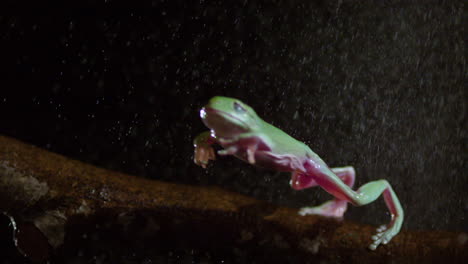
{"x": 372, "y": 246}
{"x": 306, "y": 211}
{"x": 375, "y": 244}
{"x": 383, "y": 237}
{"x": 381, "y": 228}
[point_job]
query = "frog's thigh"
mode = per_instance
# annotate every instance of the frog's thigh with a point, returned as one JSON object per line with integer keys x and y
{"x": 346, "y": 174}
{"x": 302, "y": 180}
{"x": 331, "y": 183}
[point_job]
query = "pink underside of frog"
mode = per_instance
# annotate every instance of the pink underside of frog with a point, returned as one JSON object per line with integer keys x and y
{"x": 302, "y": 175}
{"x": 305, "y": 173}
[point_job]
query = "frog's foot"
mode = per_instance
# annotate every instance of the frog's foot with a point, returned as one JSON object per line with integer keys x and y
{"x": 333, "y": 208}
{"x": 203, "y": 154}
{"x": 385, "y": 234}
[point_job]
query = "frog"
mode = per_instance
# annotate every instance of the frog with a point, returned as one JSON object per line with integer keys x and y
{"x": 240, "y": 132}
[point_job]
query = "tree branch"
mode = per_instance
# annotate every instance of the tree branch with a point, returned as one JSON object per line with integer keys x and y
{"x": 63, "y": 198}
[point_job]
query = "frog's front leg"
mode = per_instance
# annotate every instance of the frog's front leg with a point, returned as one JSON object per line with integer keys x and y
{"x": 367, "y": 193}
{"x": 332, "y": 208}
{"x": 204, "y": 151}
{"x": 243, "y": 146}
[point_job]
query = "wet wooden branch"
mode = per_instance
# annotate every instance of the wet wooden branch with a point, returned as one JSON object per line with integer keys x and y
{"x": 63, "y": 197}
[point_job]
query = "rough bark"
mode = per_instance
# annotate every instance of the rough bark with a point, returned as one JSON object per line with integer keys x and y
{"x": 63, "y": 198}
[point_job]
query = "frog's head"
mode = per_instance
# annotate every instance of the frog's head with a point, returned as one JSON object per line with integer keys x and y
{"x": 228, "y": 117}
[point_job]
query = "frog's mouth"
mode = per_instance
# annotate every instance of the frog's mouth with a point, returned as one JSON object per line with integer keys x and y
{"x": 224, "y": 124}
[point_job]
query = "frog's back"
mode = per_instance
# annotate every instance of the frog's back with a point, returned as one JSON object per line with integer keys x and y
{"x": 282, "y": 143}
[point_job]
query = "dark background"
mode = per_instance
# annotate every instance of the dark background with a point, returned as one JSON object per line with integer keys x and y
{"x": 374, "y": 84}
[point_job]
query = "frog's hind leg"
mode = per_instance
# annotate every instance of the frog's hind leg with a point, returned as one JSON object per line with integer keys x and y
{"x": 367, "y": 193}
{"x": 336, "y": 207}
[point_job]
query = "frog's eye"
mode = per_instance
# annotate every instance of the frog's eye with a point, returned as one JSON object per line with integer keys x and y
{"x": 238, "y": 108}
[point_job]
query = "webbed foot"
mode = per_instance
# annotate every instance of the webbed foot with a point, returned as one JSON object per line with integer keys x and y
{"x": 203, "y": 154}
{"x": 385, "y": 234}
{"x": 333, "y": 208}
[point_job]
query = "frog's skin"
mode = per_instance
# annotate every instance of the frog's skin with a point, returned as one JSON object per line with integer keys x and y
{"x": 237, "y": 128}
